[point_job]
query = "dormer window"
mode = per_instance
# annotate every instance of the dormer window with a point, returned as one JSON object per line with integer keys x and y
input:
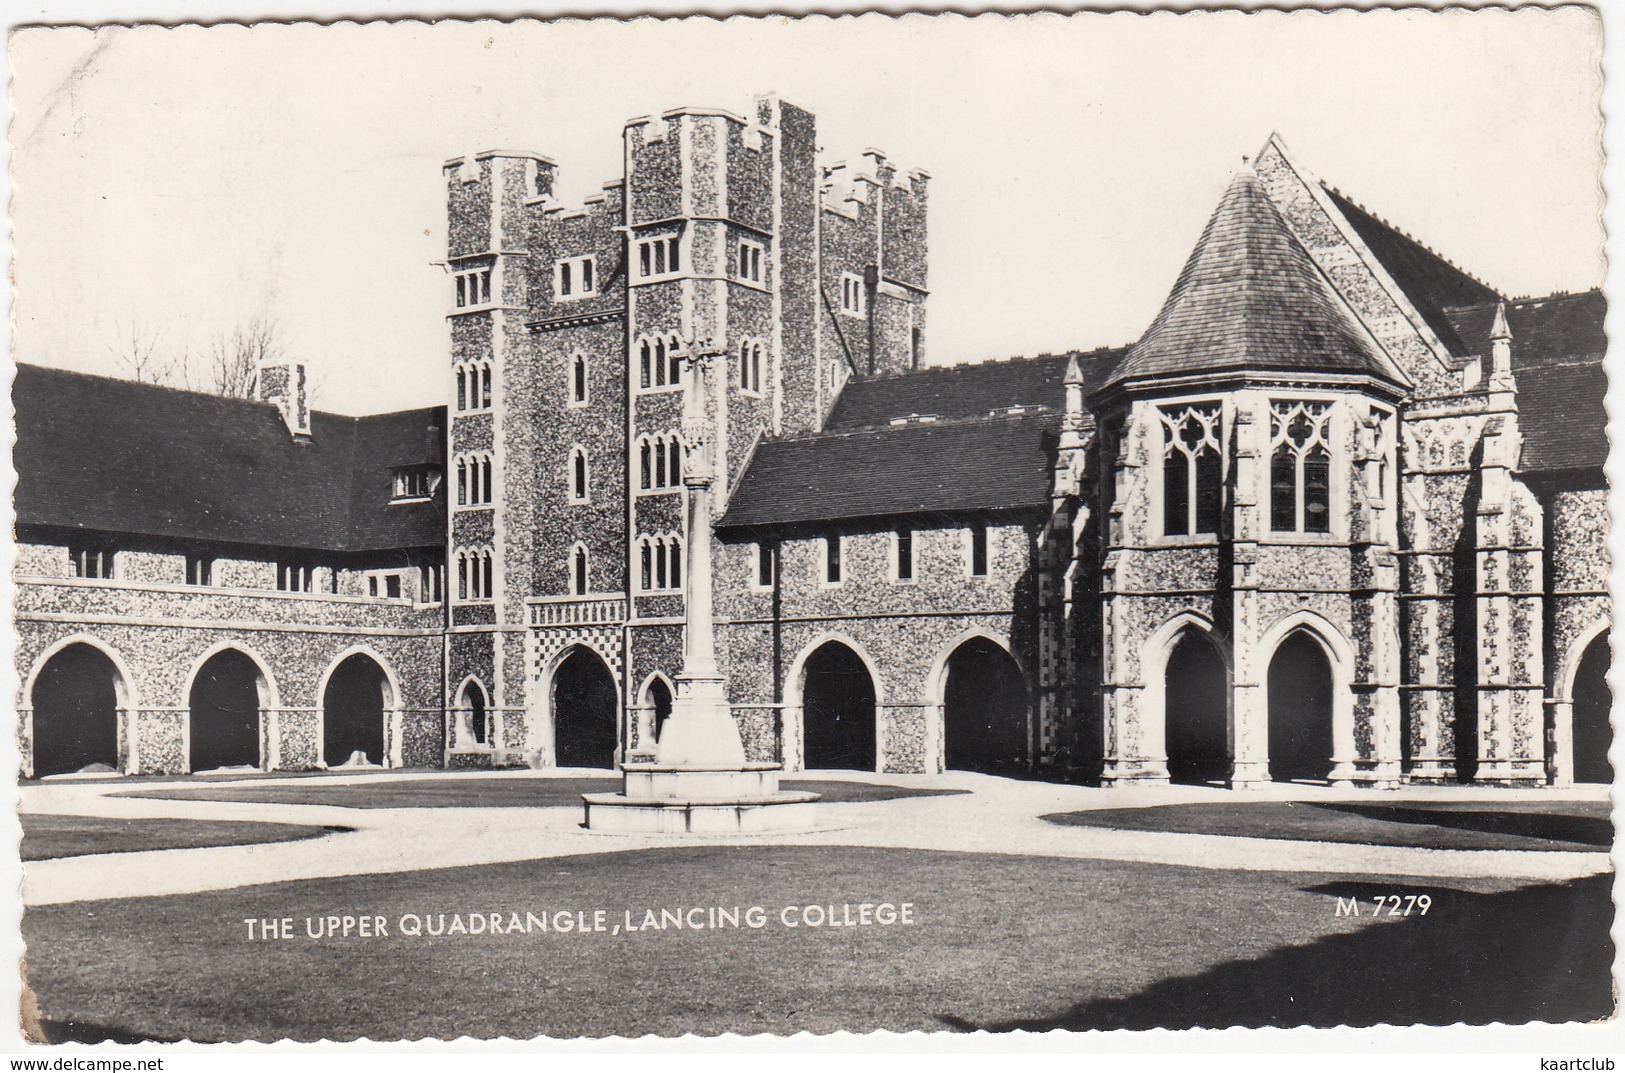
{"x": 575, "y": 277}
{"x": 659, "y": 256}
{"x": 415, "y": 482}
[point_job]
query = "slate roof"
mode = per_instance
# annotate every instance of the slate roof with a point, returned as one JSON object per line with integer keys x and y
{"x": 974, "y": 464}
{"x": 1433, "y": 285}
{"x": 1558, "y": 345}
{"x": 1250, "y": 297}
{"x": 109, "y": 455}
{"x": 973, "y": 456}
{"x": 959, "y": 391}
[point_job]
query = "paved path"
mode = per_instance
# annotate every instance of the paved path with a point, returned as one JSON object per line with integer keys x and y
{"x": 997, "y": 816}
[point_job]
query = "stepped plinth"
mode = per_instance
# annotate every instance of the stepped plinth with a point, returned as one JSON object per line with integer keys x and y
{"x": 672, "y": 799}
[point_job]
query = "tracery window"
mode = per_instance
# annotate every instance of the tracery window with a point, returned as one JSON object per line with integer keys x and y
{"x": 1192, "y": 474}
{"x": 1300, "y": 467}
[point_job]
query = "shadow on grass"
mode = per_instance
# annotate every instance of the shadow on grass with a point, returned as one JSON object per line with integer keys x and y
{"x": 1545, "y": 947}
{"x": 1583, "y": 830}
{"x": 87, "y": 1032}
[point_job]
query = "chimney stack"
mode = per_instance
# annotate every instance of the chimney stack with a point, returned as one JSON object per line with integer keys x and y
{"x": 286, "y": 384}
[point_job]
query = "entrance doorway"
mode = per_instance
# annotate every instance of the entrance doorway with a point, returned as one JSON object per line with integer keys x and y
{"x": 1197, "y": 706}
{"x": 226, "y": 701}
{"x": 1300, "y": 702}
{"x": 76, "y": 700}
{"x": 838, "y": 710}
{"x": 1592, "y": 700}
{"x": 585, "y": 711}
{"x": 984, "y": 709}
{"x": 353, "y": 706}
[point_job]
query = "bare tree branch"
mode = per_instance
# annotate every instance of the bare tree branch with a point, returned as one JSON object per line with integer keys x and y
{"x": 234, "y": 356}
{"x": 137, "y": 350}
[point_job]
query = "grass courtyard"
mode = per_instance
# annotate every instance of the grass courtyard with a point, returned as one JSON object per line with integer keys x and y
{"x": 997, "y": 942}
{"x": 1583, "y": 826}
{"x": 478, "y": 792}
{"x": 47, "y": 837}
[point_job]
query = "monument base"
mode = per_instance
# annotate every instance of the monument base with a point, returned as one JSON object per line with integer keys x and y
{"x": 669, "y": 799}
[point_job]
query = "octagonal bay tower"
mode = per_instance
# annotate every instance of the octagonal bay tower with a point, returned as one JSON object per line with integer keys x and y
{"x": 1249, "y": 591}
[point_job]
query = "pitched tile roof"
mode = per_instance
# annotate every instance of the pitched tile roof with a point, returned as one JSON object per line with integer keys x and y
{"x": 1250, "y": 297}
{"x": 1432, "y": 284}
{"x": 1558, "y": 345}
{"x": 951, "y": 392}
{"x": 100, "y": 454}
{"x": 973, "y": 464}
{"x": 988, "y": 444}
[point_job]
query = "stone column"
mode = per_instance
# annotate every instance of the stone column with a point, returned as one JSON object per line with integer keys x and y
{"x": 700, "y": 731}
{"x": 1249, "y": 708}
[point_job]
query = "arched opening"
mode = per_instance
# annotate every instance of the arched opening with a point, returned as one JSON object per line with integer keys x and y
{"x": 1300, "y": 710}
{"x": 585, "y": 711}
{"x": 353, "y": 707}
{"x": 1197, "y": 710}
{"x": 658, "y": 697}
{"x": 76, "y": 702}
{"x": 838, "y": 710}
{"x": 984, "y": 709}
{"x": 473, "y": 707}
{"x": 1592, "y": 700}
{"x": 226, "y": 700}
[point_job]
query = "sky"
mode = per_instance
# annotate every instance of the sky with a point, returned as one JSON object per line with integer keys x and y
{"x": 179, "y": 182}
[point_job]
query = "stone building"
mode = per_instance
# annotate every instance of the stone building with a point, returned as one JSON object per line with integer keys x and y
{"x": 1339, "y": 514}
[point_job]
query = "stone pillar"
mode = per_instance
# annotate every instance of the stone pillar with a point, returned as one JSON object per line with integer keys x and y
{"x": 1249, "y": 706}
{"x": 700, "y": 731}
{"x": 1560, "y": 746}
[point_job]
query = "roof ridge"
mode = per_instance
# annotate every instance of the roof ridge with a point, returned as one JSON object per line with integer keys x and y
{"x": 1390, "y": 225}
{"x": 1018, "y": 413}
{"x": 1012, "y": 359}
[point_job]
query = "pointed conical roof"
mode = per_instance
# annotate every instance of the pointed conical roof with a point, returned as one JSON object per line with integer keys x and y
{"x": 1249, "y": 298}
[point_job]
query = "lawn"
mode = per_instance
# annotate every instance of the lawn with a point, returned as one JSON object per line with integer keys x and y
{"x": 997, "y": 942}
{"x": 1526, "y": 825}
{"x": 485, "y": 793}
{"x": 46, "y": 837}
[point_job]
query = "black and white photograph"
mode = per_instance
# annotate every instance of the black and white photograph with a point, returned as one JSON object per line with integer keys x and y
{"x": 595, "y": 528}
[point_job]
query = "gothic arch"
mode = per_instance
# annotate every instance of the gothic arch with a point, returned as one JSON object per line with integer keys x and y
{"x": 967, "y": 735}
{"x": 593, "y": 736}
{"x": 1570, "y": 664}
{"x": 123, "y": 699}
{"x": 795, "y": 696}
{"x": 265, "y": 689}
{"x": 391, "y": 698}
{"x": 656, "y": 709}
{"x": 1155, "y": 652}
{"x": 1579, "y": 742}
{"x": 1340, "y": 656}
{"x": 472, "y": 720}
